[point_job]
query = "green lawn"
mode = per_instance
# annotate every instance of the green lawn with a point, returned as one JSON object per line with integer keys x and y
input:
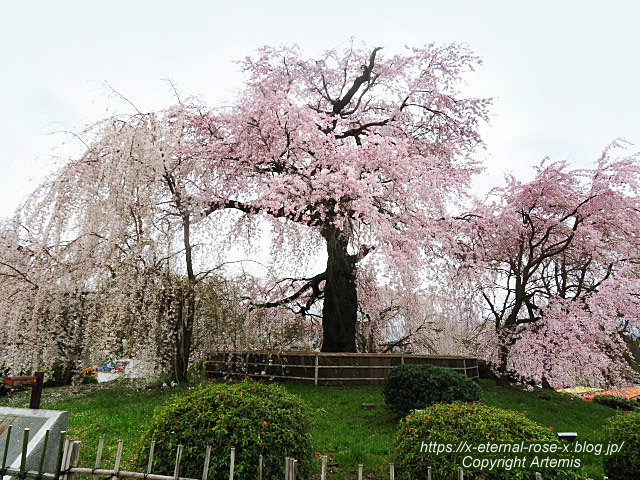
{"x": 561, "y": 412}
{"x": 344, "y": 430}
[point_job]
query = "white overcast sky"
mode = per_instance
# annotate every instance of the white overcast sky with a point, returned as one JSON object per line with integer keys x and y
{"x": 564, "y": 75}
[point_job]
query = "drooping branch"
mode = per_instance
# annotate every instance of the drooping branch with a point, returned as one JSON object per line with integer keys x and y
{"x": 18, "y": 274}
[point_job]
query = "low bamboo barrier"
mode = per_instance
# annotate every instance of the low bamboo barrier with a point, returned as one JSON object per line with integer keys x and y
{"x": 69, "y": 452}
{"x": 322, "y": 368}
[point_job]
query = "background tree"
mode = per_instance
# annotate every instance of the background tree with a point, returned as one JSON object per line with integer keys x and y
{"x": 434, "y": 320}
{"x": 118, "y": 223}
{"x": 554, "y": 262}
{"x": 354, "y": 152}
{"x": 43, "y": 313}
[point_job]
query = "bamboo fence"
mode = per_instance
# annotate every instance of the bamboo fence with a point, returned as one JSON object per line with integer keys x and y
{"x": 322, "y": 368}
{"x": 68, "y": 454}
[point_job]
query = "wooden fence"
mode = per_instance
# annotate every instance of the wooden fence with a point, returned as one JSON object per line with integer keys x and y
{"x": 68, "y": 453}
{"x": 326, "y": 368}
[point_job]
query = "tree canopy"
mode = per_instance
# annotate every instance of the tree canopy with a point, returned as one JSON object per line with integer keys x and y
{"x": 360, "y": 151}
{"x": 553, "y": 262}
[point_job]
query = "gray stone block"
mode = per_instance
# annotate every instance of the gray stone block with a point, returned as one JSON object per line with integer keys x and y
{"x": 38, "y": 422}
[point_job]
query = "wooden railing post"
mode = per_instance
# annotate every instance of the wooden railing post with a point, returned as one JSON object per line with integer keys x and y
{"x": 36, "y": 391}
{"x": 232, "y": 463}
{"x": 73, "y": 459}
{"x": 23, "y": 457}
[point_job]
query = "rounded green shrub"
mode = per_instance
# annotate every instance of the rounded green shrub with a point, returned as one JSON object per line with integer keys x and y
{"x": 625, "y": 464}
{"x": 619, "y": 403}
{"x": 409, "y": 387}
{"x": 472, "y": 422}
{"x": 254, "y": 418}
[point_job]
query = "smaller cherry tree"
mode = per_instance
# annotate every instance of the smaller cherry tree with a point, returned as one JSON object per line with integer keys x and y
{"x": 554, "y": 261}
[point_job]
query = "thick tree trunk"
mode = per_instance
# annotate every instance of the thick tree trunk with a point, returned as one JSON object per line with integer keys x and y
{"x": 339, "y": 313}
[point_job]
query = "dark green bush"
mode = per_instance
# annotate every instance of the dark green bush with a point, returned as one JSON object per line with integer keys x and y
{"x": 4, "y": 372}
{"x": 254, "y": 418}
{"x": 619, "y": 403}
{"x": 408, "y": 387}
{"x": 473, "y": 422}
{"x": 59, "y": 375}
{"x": 625, "y": 464}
